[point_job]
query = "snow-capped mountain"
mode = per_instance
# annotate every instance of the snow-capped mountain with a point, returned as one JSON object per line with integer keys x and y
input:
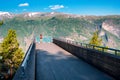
{"x": 32, "y": 14}
{"x": 5, "y": 15}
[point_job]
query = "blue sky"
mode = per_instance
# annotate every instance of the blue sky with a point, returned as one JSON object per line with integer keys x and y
{"x": 82, "y": 7}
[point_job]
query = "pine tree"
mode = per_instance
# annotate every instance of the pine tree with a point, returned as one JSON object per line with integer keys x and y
{"x": 11, "y": 53}
{"x": 96, "y": 40}
{"x": 17, "y": 57}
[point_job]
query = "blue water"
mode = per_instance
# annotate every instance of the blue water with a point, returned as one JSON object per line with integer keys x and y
{"x": 46, "y": 39}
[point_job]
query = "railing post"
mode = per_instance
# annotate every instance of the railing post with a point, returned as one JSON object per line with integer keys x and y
{"x": 115, "y": 52}
{"x": 86, "y": 45}
{"x": 93, "y": 47}
{"x": 103, "y": 49}
{"x": 81, "y": 44}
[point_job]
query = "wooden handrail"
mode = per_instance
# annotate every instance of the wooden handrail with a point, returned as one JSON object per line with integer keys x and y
{"x": 116, "y": 51}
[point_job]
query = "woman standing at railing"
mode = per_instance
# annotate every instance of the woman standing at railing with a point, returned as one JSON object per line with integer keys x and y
{"x": 41, "y": 37}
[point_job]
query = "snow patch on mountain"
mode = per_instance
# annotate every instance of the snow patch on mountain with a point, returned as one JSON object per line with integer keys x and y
{"x": 32, "y": 14}
{"x": 52, "y": 12}
{"x": 5, "y": 15}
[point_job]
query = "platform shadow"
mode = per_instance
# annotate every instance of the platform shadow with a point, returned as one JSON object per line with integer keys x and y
{"x": 59, "y": 66}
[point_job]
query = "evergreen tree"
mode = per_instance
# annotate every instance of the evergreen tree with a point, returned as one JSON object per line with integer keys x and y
{"x": 96, "y": 40}
{"x": 11, "y": 53}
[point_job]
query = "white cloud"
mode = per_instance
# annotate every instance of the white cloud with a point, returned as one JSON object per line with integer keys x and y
{"x": 55, "y": 7}
{"x": 23, "y": 4}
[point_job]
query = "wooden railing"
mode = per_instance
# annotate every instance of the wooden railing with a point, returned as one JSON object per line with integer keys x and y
{"x": 106, "y": 62}
{"x": 100, "y": 48}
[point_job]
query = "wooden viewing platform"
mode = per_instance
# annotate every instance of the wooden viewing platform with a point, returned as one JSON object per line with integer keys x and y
{"x": 54, "y": 63}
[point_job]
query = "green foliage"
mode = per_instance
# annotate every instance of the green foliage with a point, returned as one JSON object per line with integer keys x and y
{"x": 17, "y": 57}
{"x": 12, "y": 54}
{"x": 1, "y": 23}
{"x": 96, "y": 40}
{"x": 53, "y": 26}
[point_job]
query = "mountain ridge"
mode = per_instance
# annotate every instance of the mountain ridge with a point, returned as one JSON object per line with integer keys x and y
{"x": 32, "y": 14}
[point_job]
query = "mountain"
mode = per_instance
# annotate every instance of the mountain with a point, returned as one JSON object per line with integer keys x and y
{"x": 5, "y": 15}
{"x": 73, "y": 27}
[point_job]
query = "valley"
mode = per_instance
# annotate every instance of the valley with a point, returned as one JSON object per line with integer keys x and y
{"x": 73, "y": 27}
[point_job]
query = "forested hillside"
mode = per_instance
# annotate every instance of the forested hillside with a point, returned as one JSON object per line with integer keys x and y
{"x": 77, "y": 28}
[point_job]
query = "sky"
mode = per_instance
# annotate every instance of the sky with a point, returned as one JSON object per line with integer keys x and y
{"x": 82, "y": 7}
